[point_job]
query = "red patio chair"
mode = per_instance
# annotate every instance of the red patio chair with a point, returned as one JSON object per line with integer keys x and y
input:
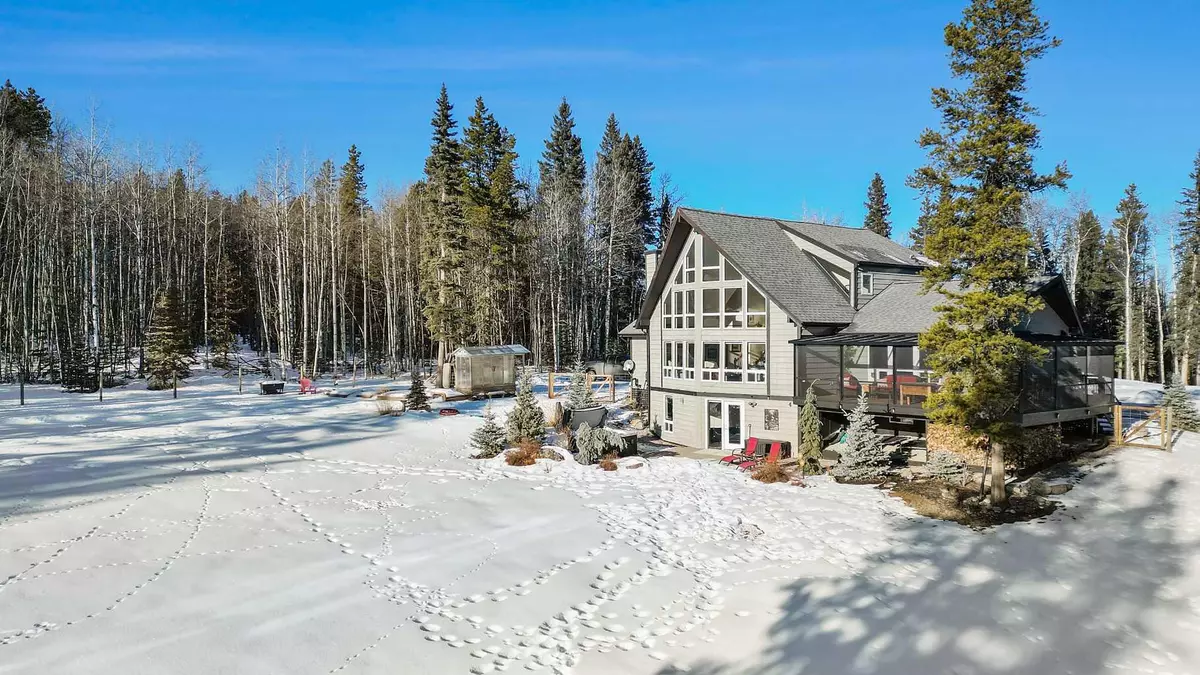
{"x": 307, "y": 386}
{"x": 745, "y": 455}
{"x": 773, "y": 454}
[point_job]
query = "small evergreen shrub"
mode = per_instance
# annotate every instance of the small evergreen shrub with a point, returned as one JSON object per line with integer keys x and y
{"x": 1184, "y": 414}
{"x": 864, "y": 457}
{"x": 488, "y": 438}
{"x": 810, "y": 433}
{"x": 589, "y": 444}
{"x": 525, "y": 454}
{"x": 418, "y": 398}
{"x": 946, "y": 466}
{"x": 526, "y": 420}
{"x": 579, "y": 394}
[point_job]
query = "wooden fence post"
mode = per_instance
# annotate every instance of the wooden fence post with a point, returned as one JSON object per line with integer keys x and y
{"x": 1167, "y": 433}
{"x": 239, "y": 379}
{"x": 1117, "y": 425}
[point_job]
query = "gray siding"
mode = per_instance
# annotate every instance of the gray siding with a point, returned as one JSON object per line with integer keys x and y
{"x": 882, "y": 279}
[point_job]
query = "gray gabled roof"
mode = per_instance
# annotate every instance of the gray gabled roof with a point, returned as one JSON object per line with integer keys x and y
{"x": 502, "y": 350}
{"x": 762, "y": 252}
{"x": 902, "y": 307}
{"x": 856, "y": 244}
{"x": 633, "y": 330}
{"x": 906, "y": 307}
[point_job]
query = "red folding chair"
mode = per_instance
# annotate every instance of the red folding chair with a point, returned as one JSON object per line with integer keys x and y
{"x": 307, "y": 386}
{"x": 773, "y": 454}
{"x": 745, "y": 455}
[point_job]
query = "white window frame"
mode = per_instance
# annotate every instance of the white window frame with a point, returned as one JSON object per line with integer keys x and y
{"x": 689, "y": 263}
{"x": 740, "y": 314}
{"x": 705, "y": 268}
{"x": 689, "y": 363}
{"x": 726, "y": 372}
{"x": 668, "y": 414}
{"x": 711, "y": 374}
{"x": 668, "y": 355}
{"x": 755, "y": 374}
{"x": 866, "y": 283}
{"x": 746, "y": 304}
{"x": 690, "y": 308}
{"x": 705, "y": 314}
{"x": 680, "y": 351}
{"x": 675, "y": 303}
{"x": 667, "y": 309}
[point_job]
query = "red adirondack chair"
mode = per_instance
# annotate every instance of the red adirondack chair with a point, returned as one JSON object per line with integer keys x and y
{"x": 307, "y": 386}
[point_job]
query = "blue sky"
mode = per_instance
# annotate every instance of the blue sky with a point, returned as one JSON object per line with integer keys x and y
{"x": 771, "y": 108}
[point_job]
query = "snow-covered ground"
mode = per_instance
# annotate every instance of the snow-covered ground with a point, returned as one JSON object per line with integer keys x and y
{"x": 306, "y": 534}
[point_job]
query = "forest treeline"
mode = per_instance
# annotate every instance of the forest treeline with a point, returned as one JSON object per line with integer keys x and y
{"x": 105, "y": 252}
{"x": 111, "y": 258}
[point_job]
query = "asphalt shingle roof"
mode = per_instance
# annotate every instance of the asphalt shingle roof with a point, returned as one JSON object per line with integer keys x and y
{"x": 856, "y": 244}
{"x": 761, "y": 250}
{"x": 902, "y": 307}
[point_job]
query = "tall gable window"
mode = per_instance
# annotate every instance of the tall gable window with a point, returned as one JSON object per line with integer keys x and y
{"x": 756, "y": 308}
{"x": 711, "y": 305}
{"x": 731, "y": 273}
{"x": 733, "y": 308}
{"x": 710, "y": 262}
{"x": 689, "y": 264}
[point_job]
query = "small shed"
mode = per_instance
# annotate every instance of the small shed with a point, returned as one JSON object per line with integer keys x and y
{"x": 483, "y": 370}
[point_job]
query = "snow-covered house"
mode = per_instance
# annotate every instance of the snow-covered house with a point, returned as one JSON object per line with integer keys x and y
{"x": 743, "y": 313}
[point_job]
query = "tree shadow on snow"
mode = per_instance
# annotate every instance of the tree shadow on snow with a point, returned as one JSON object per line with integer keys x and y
{"x": 1067, "y": 595}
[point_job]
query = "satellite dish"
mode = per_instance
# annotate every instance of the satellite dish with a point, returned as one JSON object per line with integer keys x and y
{"x": 629, "y": 365}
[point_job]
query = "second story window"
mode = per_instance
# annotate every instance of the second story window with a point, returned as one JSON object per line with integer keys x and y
{"x": 710, "y": 262}
{"x": 866, "y": 283}
{"x": 689, "y": 264}
{"x": 756, "y": 308}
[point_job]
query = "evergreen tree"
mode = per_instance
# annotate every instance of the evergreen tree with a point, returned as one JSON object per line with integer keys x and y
{"x": 878, "y": 210}
{"x": 418, "y": 397}
{"x": 24, "y": 114}
{"x": 921, "y": 229}
{"x": 352, "y": 187}
{"x": 526, "y": 419}
{"x": 1094, "y": 290}
{"x": 443, "y": 258}
{"x": 78, "y": 367}
{"x": 488, "y": 437}
{"x": 863, "y": 457}
{"x": 1187, "y": 282}
{"x": 664, "y": 209}
{"x": 810, "y": 433}
{"x": 579, "y": 394}
{"x": 168, "y": 348}
{"x": 982, "y": 162}
{"x": 224, "y": 314}
{"x": 1184, "y": 414}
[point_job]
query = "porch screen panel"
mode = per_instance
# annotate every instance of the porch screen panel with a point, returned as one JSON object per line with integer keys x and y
{"x": 1038, "y": 387}
{"x": 1072, "y": 376}
{"x": 820, "y": 365}
{"x": 1100, "y": 374}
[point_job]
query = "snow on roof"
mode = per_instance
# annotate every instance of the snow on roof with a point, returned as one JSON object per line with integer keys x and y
{"x": 501, "y": 350}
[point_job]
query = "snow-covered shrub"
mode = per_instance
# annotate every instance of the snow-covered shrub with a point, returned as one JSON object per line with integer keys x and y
{"x": 864, "y": 456}
{"x": 488, "y": 438}
{"x": 525, "y": 454}
{"x": 592, "y": 444}
{"x": 946, "y": 466}
{"x": 1183, "y": 412}
{"x": 418, "y": 398}
{"x": 526, "y": 420}
{"x": 579, "y": 394}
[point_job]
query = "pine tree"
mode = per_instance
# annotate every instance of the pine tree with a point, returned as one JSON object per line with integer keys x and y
{"x": 224, "y": 312}
{"x": 352, "y": 187}
{"x": 579, "y": 394}
{"x": 488, "y": 438}
{"x": 981, "y": 161}
{"x": 78, "y": 367}
{"x": 878, "y": 210}
{"x": 526, "y": 419}
{"x": 418, "y": 397}
{"x": 1187, "y": 281}
{"x": 443, "y": 258}
{"x": 1132, "y": 235}
{"x": 1184, "y": 414}
{"x": 810, "y": 432}
{"x": 168, "y": 349}
{"x": 1094, "y": 291}
{"x": 25, "y": 114}
{"x": 863, "y": 457}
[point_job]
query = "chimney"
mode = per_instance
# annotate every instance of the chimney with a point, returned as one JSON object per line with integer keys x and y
{"x": 651, "y": 265}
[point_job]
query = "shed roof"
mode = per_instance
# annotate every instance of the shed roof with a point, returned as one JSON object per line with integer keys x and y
{"x": 502, "y": 350}
{"x": 632, "y": 331}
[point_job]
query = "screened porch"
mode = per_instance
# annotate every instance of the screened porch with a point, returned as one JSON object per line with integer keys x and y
{"x": 1075, "y": 380}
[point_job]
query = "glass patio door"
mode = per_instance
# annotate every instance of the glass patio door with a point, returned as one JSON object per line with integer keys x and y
{"x": 732, "y": 425}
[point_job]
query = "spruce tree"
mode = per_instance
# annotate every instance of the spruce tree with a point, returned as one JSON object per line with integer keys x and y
{"x": 1132, "y": 236}
{"x": 863, "y": 456}
{"x": 526, "y": 419}
{"x": 444, "y": 244}
{"x": 1184, "y": 414}
{"x": 418, "y": 397}
{"x": 488, "y": 438}
{"x": 224, "y": 310}
{"x": 878, "y": 210}
{"x": 1186, "y": 326}
{"x": 981, "y": 161}
{"x": 352, "y": 187}
{"x": 579, "y": 394}
{"x": 25, "y": 114}
{"x": 168, "y": 348}
{"x": 1094, "y": 292}
{"x": 810, "y": 433}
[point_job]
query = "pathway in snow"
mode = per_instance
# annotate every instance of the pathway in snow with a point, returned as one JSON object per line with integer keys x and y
{"x": 225, "y": 533}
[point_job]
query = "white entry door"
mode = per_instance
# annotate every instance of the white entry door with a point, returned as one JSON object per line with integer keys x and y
{"x": 731, "y": 425}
